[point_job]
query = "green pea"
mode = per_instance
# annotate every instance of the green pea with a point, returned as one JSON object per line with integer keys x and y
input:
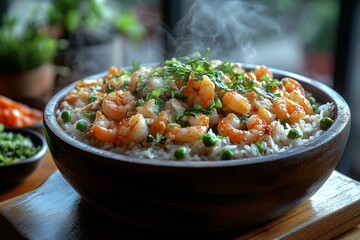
{"x": 314, "y": 107}
{"x": 81, "y": 126}
{"x": 90, "y": 115}
{"x": 209, "y": 139}
{"x": 66, "y": 115}
{"x": 227, "y": 154}
{"x": 312, "y": 100}
{"x": 326, "y": 123}
{"x": 181, "y": 153}
{"x": 294, "y": 134}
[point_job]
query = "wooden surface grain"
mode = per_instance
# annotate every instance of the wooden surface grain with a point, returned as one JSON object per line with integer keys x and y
{"x": 55, "y": 211}
{"x": 46, "y": 168}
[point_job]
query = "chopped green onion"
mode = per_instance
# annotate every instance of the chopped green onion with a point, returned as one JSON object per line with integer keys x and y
{"x": 294, "y": 134}
{"x": 15, "y": 147}
{"x": 110, "y": 88}
{"x": 259, "y": 146}
{"x": 140, "y": 102}
{"x": 285, "y": 121}
{"x": 326, "y": 123}
{"x": 181, "y": 153}
{"x": 92, "y": 99}
{"x": 197, "y": 106}
{"x": 66, "y": 116}
{"x": 150, "y": 138}
{"x": 227, "y": 154}
{"x": 209, "y": 139}
{"x": 81, "y": 126}
{"x": 218, "y": 103}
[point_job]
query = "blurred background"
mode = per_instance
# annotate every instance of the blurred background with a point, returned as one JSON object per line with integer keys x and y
{"x": 60, "y": 41}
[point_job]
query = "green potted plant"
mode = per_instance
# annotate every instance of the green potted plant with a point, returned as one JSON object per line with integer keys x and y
{"x": 87, "y": 31}
{"x": 26, "y": 56}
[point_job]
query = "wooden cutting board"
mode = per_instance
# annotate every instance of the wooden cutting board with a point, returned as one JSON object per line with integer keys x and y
{"x": 55, "y": 211}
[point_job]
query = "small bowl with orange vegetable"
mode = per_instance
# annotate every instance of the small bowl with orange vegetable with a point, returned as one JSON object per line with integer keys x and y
{"x": 21, "y": 113}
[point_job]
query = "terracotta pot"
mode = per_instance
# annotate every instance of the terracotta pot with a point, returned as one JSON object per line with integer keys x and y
{"x": 37, "y": 83}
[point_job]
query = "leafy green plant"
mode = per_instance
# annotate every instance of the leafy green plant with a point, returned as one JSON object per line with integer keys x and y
{"x": 93, "y": 16}
{"x": 25, "y": 50}
{"x": 72, "y": 15}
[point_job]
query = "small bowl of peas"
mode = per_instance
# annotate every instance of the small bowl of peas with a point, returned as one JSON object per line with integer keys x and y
{"x": 21, "y": 152}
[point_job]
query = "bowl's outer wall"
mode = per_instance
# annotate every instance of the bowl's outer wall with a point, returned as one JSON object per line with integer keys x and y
{"x": 201, "y": 198}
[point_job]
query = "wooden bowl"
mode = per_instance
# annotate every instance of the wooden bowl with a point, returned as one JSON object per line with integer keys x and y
{"x": 18, "y": 171}
{"x": 200, "y": 196}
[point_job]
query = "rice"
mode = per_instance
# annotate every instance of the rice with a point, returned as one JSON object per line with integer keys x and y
{"x": 164, "y": 148}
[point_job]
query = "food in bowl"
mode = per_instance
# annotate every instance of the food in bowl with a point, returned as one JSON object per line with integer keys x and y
{"x": 199, "y": 195}
{"x": 14, "y": 114}
{"x": 15, "y": 147}
{"x": 193, "y": 109}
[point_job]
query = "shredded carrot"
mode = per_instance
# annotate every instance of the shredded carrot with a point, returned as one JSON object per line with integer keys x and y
{"x": 15, "y": 114}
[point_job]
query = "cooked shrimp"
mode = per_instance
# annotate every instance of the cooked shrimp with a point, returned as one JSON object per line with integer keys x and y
{"x": 87, "y": 83}
{"x": 291, "y": 84}
{"x": 231, "y": 126}
{"x": 236, "y": 102}
{"x": 133, "y": 81}
{"x": 149, "y": 109}
{"x": 77, "y": 98}
{"x": 133, "y": 129}
{"x": 93, "y": 105}
{"x": 279, "y": 109}
{"x": 113, "y": 71}
{"x": 175, "y": 106}
{"x": 268, "y": 116}
{"x": 256, "y": 101}
{"x": 252, "y": 77}
{"x": 104, "y": 128}
{"x": 261, "y": 71}
{"x": 288, "y": 109}
{"x": 160, "y": 123}
{"x": 119, "y": 82}
{"x": 214, "y": 118}
{"x": 118, "y": 105}
{"x": 154, "y": 83}
{"x": 15, "y": 114}
{"x": 300, "y": 99}
{"x": 199, "y": 92}
{"x": 199, "y": 125}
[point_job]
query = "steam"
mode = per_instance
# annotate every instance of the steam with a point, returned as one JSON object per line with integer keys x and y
{"x": 229, "y": 28}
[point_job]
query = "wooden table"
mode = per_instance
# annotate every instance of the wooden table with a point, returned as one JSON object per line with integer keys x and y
{"x": 48, "y": 167}
{"x": 32, "y": 182}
